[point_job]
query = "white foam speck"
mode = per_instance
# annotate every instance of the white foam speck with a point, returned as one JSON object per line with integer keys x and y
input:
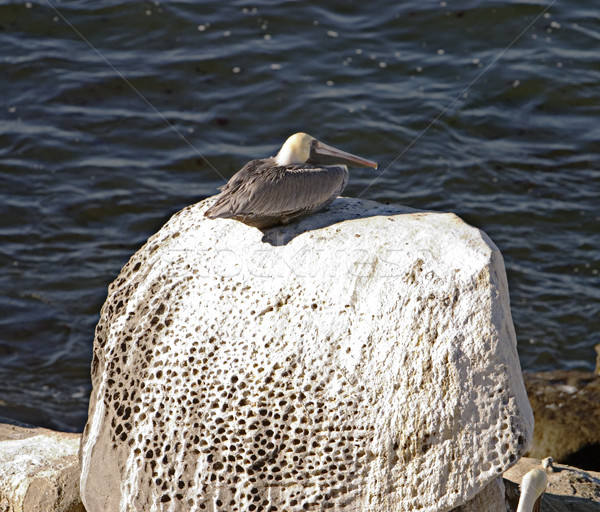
{"x": 566, "y": 388}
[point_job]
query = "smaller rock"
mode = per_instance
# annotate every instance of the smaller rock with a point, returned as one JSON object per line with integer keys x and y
{"x": 566, "y": 407}
{"x": 569, "y": 489}
{"x": 547, "y": 464}
{"x": 597, "y": 370}
{"x": 39, "y": 469}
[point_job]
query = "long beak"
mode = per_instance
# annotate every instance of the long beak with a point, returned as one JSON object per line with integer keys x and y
{"x": 323, "y": 154}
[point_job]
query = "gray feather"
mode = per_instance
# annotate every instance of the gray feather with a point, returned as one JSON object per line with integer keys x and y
{"x": 263, "y": 194}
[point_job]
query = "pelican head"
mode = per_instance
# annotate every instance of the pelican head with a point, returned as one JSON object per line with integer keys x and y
{"x": 301, "y": 148}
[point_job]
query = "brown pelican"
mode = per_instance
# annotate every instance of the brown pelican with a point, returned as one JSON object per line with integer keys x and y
{"x": 304, "y": 177}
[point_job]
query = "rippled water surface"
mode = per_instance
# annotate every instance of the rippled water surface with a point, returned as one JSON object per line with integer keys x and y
{"x": 114, "y": 115}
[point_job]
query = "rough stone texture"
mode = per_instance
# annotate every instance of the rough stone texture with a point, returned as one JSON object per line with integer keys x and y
{"x": 569, "y": 489}
{"x": 491, "y": 499}
{"x": 566, "y": 406}
{"x": 326, "y": 365}
{"x": 39, "y": 470}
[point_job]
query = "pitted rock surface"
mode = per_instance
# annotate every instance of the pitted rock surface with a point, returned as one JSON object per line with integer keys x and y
{"x": 332, "y": 364}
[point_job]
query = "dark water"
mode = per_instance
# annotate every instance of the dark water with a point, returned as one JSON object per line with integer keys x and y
{"x": 114, "y": 115}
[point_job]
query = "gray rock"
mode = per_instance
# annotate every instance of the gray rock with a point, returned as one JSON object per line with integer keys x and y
{"x": 362, "y": 359}
{"x": 39, "y": 469}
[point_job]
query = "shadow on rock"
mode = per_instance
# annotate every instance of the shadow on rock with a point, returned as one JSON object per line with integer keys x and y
{"x": 341, "y": 210}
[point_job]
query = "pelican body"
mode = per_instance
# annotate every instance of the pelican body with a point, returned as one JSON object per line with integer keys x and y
{"x": 304, "y": 177}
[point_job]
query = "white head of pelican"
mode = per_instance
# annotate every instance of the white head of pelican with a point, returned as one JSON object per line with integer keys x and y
{"x": 304, "y": 177}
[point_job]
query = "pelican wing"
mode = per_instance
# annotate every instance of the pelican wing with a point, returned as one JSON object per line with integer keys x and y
{"x": 288, "y": 190}
{"x": 262, "y": 190}
{"x": 228, "y": 200}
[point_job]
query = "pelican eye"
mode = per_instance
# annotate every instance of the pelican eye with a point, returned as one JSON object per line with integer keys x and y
{"x": 312, "y": 155}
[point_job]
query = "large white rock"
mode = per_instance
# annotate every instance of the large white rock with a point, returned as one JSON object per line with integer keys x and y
{"x": 363, "y": 359}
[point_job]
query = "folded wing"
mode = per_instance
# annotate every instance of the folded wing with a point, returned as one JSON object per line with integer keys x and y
{"x": 261, "y": 191}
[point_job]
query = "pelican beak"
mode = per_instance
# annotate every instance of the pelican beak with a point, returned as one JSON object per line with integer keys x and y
{"x": 326, "y": 155}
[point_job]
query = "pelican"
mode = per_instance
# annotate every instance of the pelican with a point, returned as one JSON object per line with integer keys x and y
{"x": 304, "y": 177}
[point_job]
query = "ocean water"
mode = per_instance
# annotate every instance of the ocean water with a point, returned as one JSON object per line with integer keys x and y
{"x": 115, "y": 115}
